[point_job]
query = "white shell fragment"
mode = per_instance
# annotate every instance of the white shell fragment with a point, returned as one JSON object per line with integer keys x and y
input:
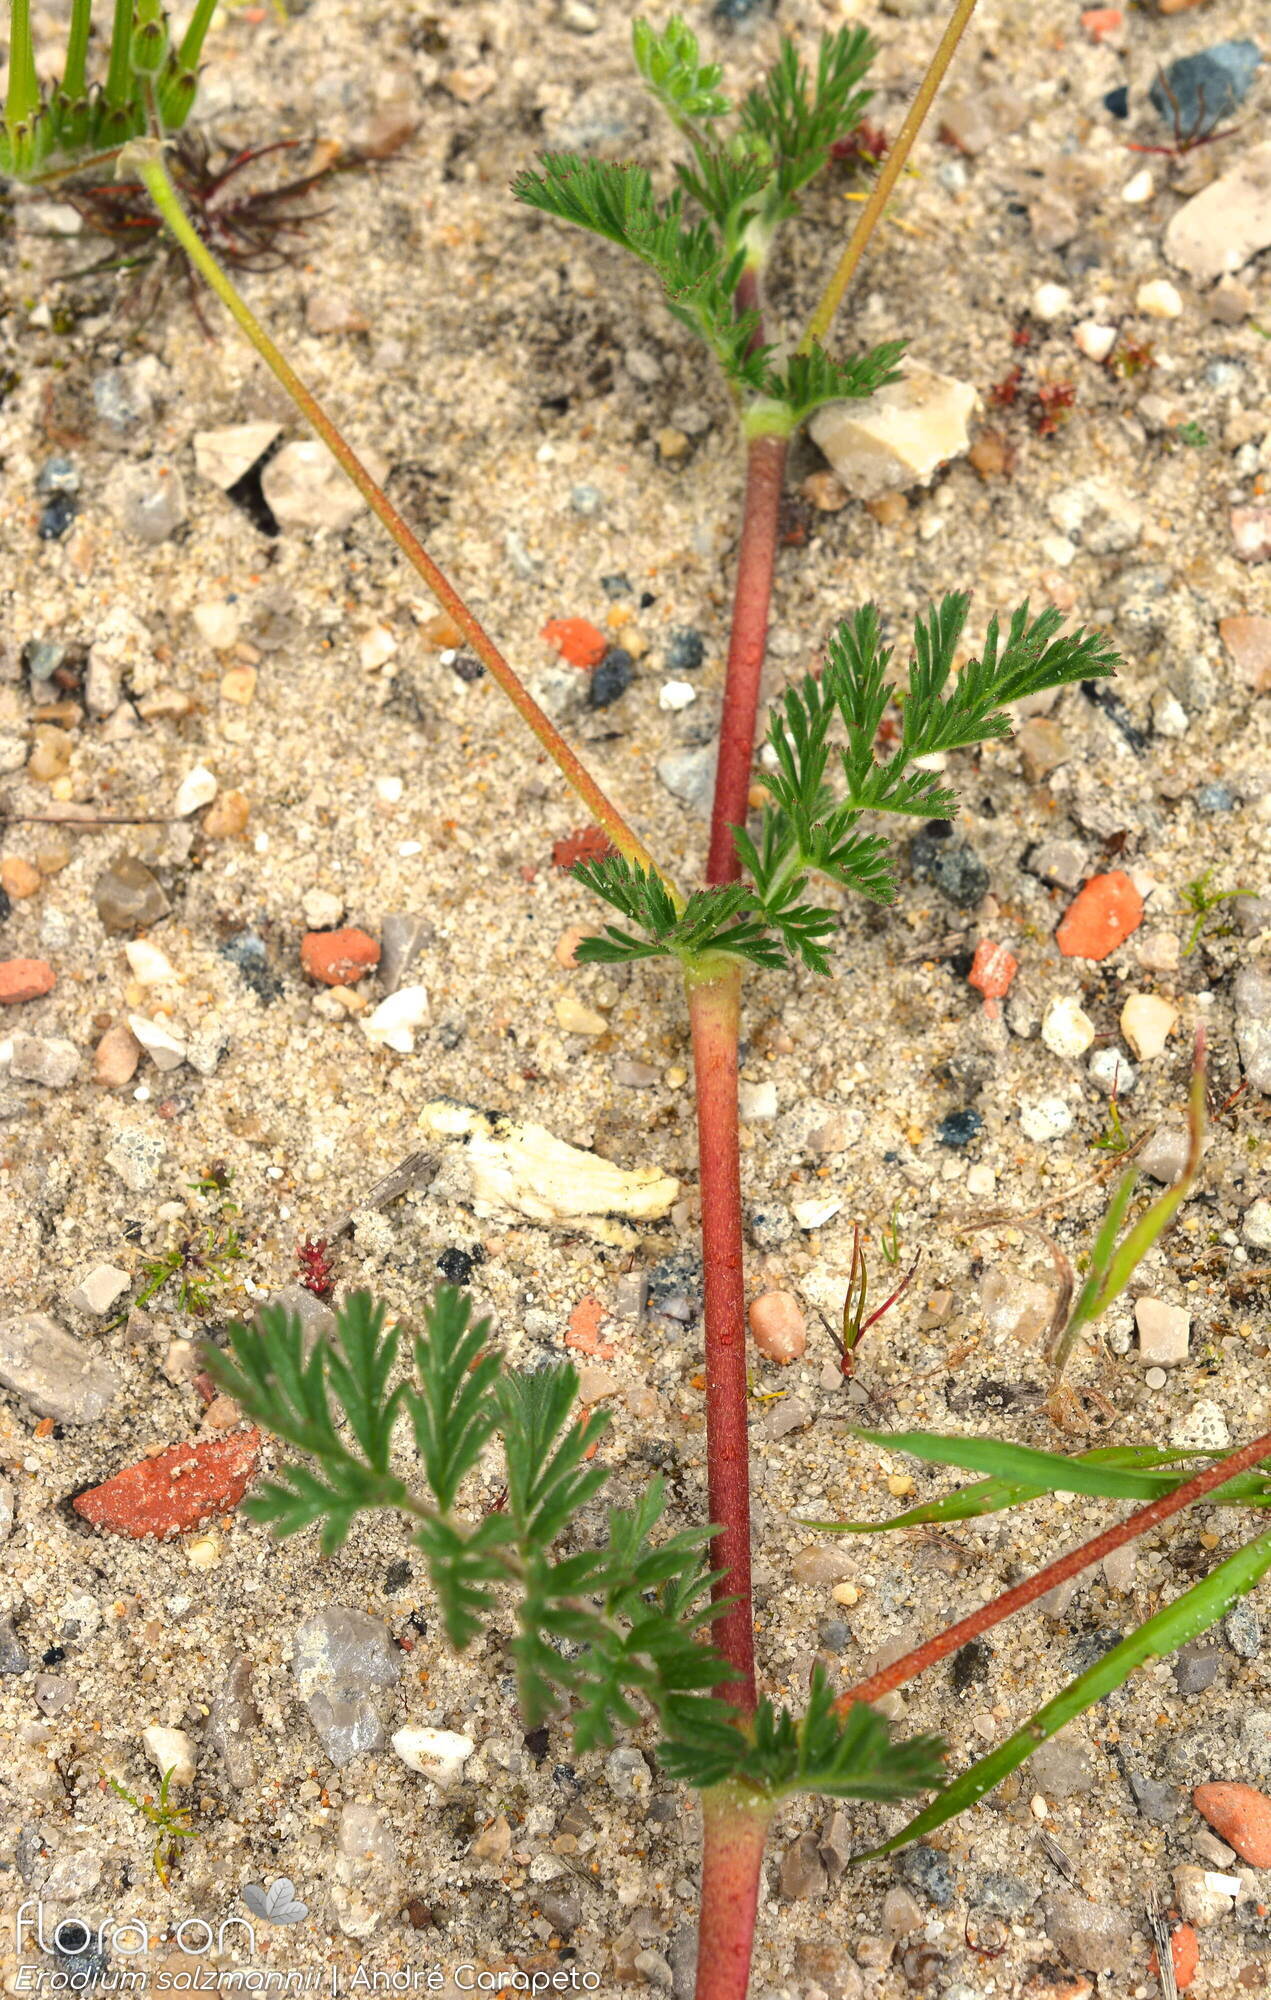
{"x": 394, "y": 1021}
{"x": 499, "y": 1165}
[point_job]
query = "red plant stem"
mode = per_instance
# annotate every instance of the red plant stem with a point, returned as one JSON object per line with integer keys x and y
{"x": 956, "y": 1636}
{"x": 765, "y": 471}
{"x": 714, "y": 1011}
{"x": 734, "y": 1828}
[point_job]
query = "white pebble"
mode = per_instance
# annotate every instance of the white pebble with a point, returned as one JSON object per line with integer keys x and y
{"x": 1164, "y": 1331}
{"x": 1159, "y": 299}
{"x": 394, "y": 1021}
{"x": 150, "y": 966}
{"x": 1146, "y": 1022}
{"x": 1112, "y": 1070}
{"x": 322, "y": 909}
{"x": 1141, "y": 188}
{"x": 170, "y": 1750}
{"x": 166, "y": 1050}
{"x": 1256, "y": 1227}
{"x": 757, "y": 1100}
{"x": 439, "y": 1754}
{"x": 1156, "y": 1378}
{"x": 1048, "y": 1118}
{"x": 375, "y": 648}
{"x": 1095, "y": 340}
{"x": 197, "y": 788}
{"x": 676, "y": 694}
{"x": 1051, "y": 301}
{"x": 389, "y": 790}
{"x": 815, "y": 1213}
{"x": 1066, "y": 1027}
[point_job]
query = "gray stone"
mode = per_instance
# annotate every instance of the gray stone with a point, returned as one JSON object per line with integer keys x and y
{"x": 1157, "y": 1802}
{"x": 690, "y": 775}
{"x": 365, "y": 1880}
{"x": 1203, "y": 90}
{"x": 1195, "y": 1667}
{"x": 314, "y": 1314}
{"x": 1254, "y": 1741}
{"x": 836, "y": 1843}
{"x": 563, "y": 1912}
{"x": 340, "y": 1657}
{"x": 99, "y": 1290}
{"x": 6, "y": 1511}
{"x": 402, "y": 938}
{"x": 927, "y": 1870}
{"x": 626, "y": 1773}
{"x": 230, "y": 1720}
{"x": 128, "y": 897}
{"x": 1063, "y": 862}
{"x": 1097, "y": 516}
{"x": 122, "y": 401}
{"x": 46, "y": 1059}
{"x": 803, "y": 1872}
{"x": 53, "y": 1373}
{"x": 305, "y": 488}
{"x": 790, "y": 1414}
{"x": 136, "y": 1156}
{"x": 1165, "y": 1154}
{"x": 1094, "y": 1937}
{"x": 346, "y": 1729}
{"x": 1062, "y": 1768}
{"x": 1255, "y": 1225}
{"x": 148, "y": 500}
{"x": 53, "y": 1693}
{"x": 1242, "y": 1631}
{"x": 14, "y": 1658}
{"x": 1004, "y": 1895}
{"x": 1111, "y": 1071}
{"x": 1252, "y": 993}
{"x": 1204, "y": 1428}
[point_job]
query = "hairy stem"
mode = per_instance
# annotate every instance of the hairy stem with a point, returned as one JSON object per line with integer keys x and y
{"x": 714, "y": 1005}
{"x": 146, "y": 160}
{"x": 871, "y": 215}
{"x": 75, "y": 76}
{"x": 756, "y": 558}
{"x": 734, "y": 1829}
{"x": 955, "y": 1636}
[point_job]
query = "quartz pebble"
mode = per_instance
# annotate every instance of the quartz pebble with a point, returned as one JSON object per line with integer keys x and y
{"x": 99, "y": 1289}
{"x": 1252, "y": 994}
{"x": 230, "y": 1720}
{"x": 1164, "y": 1332}
{"x": 305, "y": 488}
{"x": 1067, "y": 1029}
{"x": 116, "y": 1057}
{"x": 1255, "y": 1225}
{"x": 54, "y": 1374}
{"x": 1046, "y": 1118}
{"x": 148, "y": 500}
{"x": 897, "y": 437}
{"x": 394, "y": 1022}
{"x": 1113, "y": 1072}
{"x": 439, "y": 1754}
{"x": 341, "y": 1658}
{"x": 577, "y": 1018}
{"x": 128, "y": 897}
{"x": 1159, "y": 299}
{"x": 402, "y": 937}
{"x": 225, "y": 456}
{"x": 1219, "y": 230}
{"x": 1051, "y": 301}
{"x": 1147, "y": 1022}
{"x": 149, "y": 966}
{"x": 165, "y": 1049}
{"x": 171, "y": 1752}
{"x": 197, "y": 788}
{"x": 1250, "y": 534}
{"x": 777, "y": 1323}
{"x": 1202, "y": 1895}
{"x": 1248, "y": 640}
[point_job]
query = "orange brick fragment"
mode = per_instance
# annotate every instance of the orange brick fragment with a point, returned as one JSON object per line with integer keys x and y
{"x": 174, "y": 1492}
{"x": 1101, "y": 23}
{"x": 576, "y": 641}
{"x": 338, "y": 958}
{"x": 1184, "y": 1950}
{"x": 992, "y": 969}
{"x": 584, "y": 1329}
{"x": 25, "y": 979}
{"x": 1239, "y": 1815}
{"x": 1107, "y": 911}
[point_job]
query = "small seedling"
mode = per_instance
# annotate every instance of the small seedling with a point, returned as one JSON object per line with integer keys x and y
{"x": 1201, "y": 900}
{"x": 1189, "y": 433}
{"x": 203, "y": 1259}
{"x": 889, "y": 1236}
{"x": 171, "y": 1823}
{"x": 1114, "y": 1138}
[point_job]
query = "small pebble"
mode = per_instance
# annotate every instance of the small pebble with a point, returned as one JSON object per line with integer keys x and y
{"x": 25, "y": 979}
{"x": 958, "y": 1128}
{"x": 576, "y": 1018}
{"x": 675, "y": 695}
{"x": 1067, "y": 1029}
{"x": 1046, "y": 1118}
{"x": 685, "y": 650}
{"x": 1159, "y": 299}
{"x": 149, "y": 965}
{"x": 338, "y": 958}
{"x": 992, "y": 969}
{"x": 1106, "y": 912}
{"x": 1146, "y": 1023}
{"x": 1112, "y": 1071}
{"x": 1164, "y": 1332}
{"x": 1051, "y": 301}
{"x": 165, "y": 1049}
{"x": 45, "y": 1059}
{"x": 99, "y": 1289}
{"x": 439, "y": 1754}
{"x": 322, "y": 909}
{"x": 576, "y": 640}
{"x": 777, "y": 1323}
{"x": 1095, "y": 340}
{"x": 170, "y": 1750}
{"x": 1241, "y": 1815}
{"x": 611, "y": 679}
{"x": 128, "y": 897}
{"x": 1140, "y": 188}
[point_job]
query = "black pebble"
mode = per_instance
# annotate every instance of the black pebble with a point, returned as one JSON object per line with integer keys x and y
{"x": 969, "y": 1666}
{"x": 1118, "y": 101}
{"x": 56, "y": 518}
{"x": 457, "y": 1265}
{"x": 685, "y": 650}
{"x": 396, "y": 1576}
{"x": 611, "y": 678}
{"x": 958, "y": 1128}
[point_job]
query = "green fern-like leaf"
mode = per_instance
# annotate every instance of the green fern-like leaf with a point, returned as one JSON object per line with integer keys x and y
{"x": 805, "y": 381}
{"x": 797, "y": 117}
{"x": 685, "y": 87}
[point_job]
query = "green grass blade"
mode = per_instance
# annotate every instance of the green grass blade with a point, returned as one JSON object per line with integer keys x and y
{"x": 1189, "y": 1615}
{"x": 75, "y": 76}
{"x": 118, "y": 93}
{"x": 1044, "y": 1471}
{"x": 23, "y": 100}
